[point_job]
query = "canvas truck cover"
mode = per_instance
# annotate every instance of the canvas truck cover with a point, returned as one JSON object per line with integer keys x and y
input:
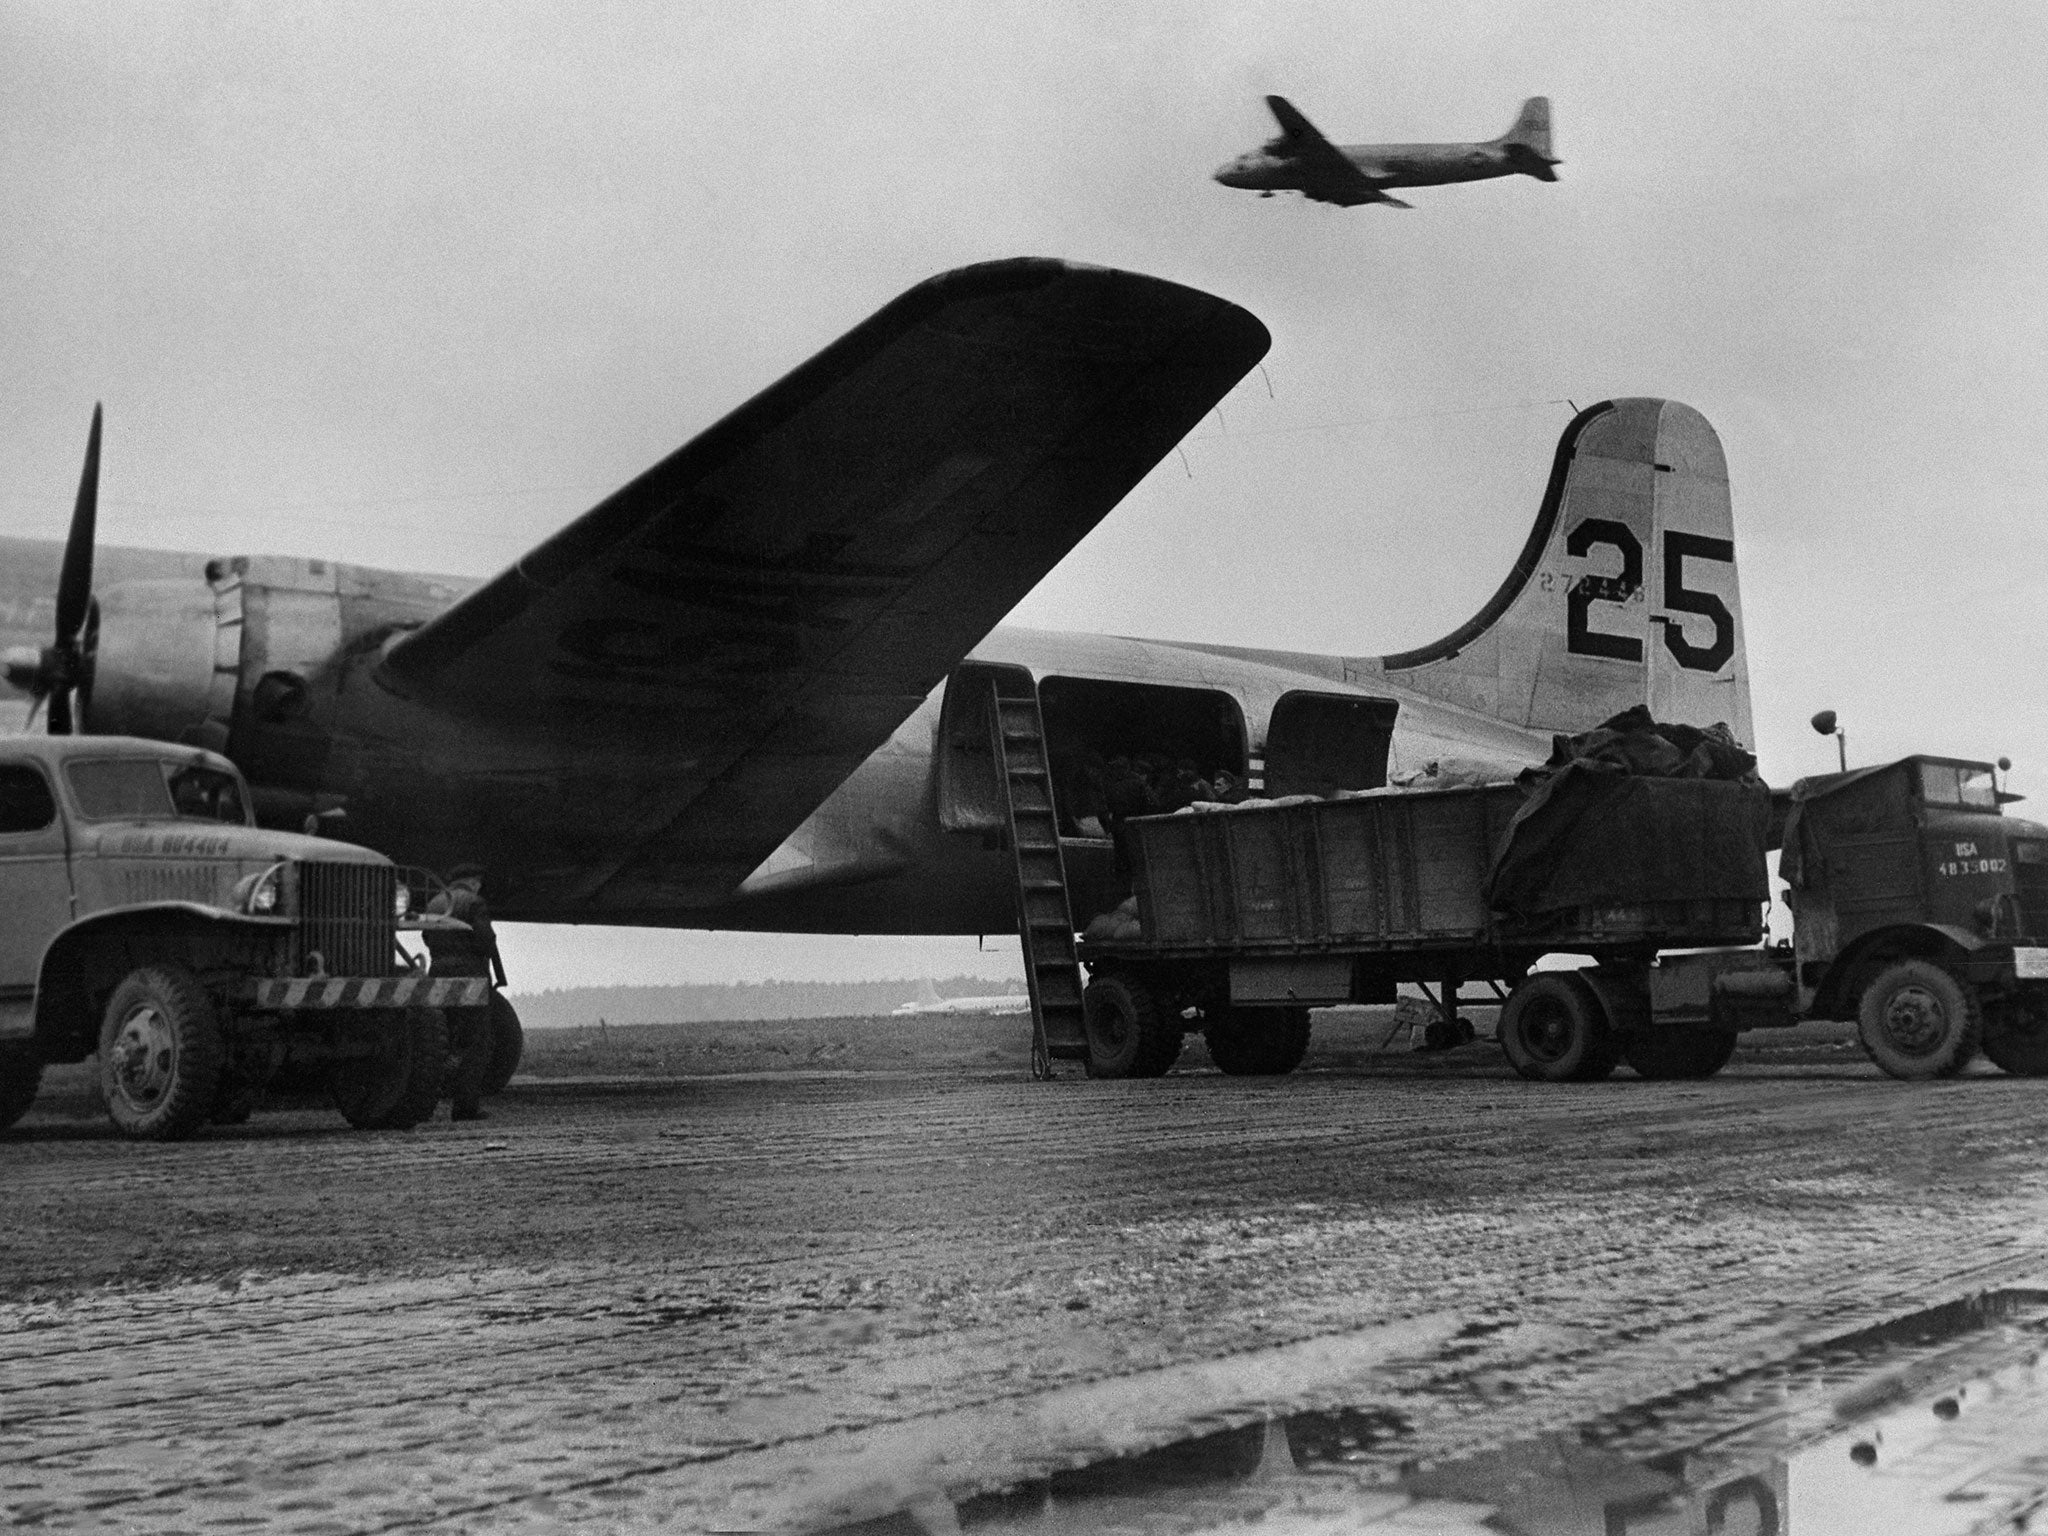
{"x": 1601, "y": 838}
{"x": 1872, "y": 810}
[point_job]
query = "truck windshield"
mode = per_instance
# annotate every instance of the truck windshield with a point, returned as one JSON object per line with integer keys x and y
{"x": 1954, "y": 784}
{"x": 139, "y": 789}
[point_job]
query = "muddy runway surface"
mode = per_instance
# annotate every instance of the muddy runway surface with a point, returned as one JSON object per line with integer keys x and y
{"x": 892, "y": 1301}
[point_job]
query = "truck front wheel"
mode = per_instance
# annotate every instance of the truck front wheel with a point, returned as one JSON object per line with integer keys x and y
{"x": 2015, "y": 1038}
{"x": 161, "y": 1054}
{"x": 1129, "y": 1034}
{"x": 1918, "y": 1021}
{"x": 1257, "y": 1042}
{"x": 20, "y": 1076}
{"x": 396, "y": 1086}
{"x": 507, "y": 1041}
{"x": 1554, "y": 1030}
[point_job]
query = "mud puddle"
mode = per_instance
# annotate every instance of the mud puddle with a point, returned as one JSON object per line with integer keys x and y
{"x": 1932, "y": 1424}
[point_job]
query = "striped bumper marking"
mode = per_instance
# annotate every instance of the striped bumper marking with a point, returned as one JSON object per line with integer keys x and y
{"x": 374, "y": 992}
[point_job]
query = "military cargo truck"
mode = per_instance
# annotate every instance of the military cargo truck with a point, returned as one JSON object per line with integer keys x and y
{"x": 1248, "y": 917}
{"x": 150, "y": 922}
{"x": 1920, "y": 910}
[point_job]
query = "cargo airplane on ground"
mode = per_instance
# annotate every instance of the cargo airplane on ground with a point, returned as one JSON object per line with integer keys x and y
{"x": 928, "y": 1001}
{"x": 1302, "y": 160}
{"x": 752, "y": 688}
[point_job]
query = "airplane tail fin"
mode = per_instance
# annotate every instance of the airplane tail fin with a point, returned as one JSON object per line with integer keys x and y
{"x": 1624, "y": 594}
{"x": 1528, "y": 141}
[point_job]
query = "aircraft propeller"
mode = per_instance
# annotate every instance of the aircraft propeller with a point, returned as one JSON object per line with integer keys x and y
{"x": 61, "y": 674}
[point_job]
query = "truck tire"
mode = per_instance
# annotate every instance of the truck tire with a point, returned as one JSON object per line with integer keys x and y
{"x": 1129, "y": 1034}
{"x": 1671, "y": 1055}
{"x": 1917, "y": 1021}
{"x": 2015, "y": 1039}
{"x": 235, "y": 1103}
{"x": 1553, "y": 1029}
{"x": 426, "y": 1044}
{"x": 20, "y": 1076}
{"x": 161, "y": 1054}
{"x": 1257, "y": 1042}
{"x": 508, "y": 1041}
{"x": 397, "y": 1086}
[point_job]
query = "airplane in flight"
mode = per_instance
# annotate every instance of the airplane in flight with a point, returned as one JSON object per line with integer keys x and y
{"x": 1302, "y": 160}
{"x": 753, "y": 688}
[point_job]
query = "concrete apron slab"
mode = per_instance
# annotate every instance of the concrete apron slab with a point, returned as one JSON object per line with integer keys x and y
{"x": 348, "y": 1409}
{"x": 1934, "y": 1424}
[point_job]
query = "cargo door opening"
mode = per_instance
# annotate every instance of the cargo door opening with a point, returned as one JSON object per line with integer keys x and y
{"x": 1124, "y": 749}
{"x": 1319, "y": 743}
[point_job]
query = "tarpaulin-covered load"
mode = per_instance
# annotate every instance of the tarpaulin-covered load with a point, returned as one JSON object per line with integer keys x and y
{"x": 1875, "y": 802}
{"x": 1632, "y": 813}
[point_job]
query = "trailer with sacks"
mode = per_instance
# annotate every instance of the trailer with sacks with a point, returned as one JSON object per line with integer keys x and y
{"x": 1248, "y": 917}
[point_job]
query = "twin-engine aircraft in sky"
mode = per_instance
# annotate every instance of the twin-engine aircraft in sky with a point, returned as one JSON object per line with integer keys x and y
{"x": 752, "y": 688}
{"x": 1302, "y": 160}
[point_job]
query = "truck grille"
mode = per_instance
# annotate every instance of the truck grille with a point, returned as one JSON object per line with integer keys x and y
{"x": 346, "y": 913}
{"x": 2030, "y": 878}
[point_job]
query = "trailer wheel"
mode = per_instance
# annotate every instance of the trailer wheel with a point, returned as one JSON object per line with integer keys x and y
{"x": 1257, "y": 1042}
{"x": 161, "y": 1054}
{"x": 20, "y": 1076}
{"x": 1129, "y": 1034}
{"x": 1669, "y": 1055}
{"x": 2015, "y": 1038}
{"x": 1554, "y": 1030}
{"x": 396, "y": 1086}
{"x": 507, "y": 1041}
{"x": 1918, "y": 1021}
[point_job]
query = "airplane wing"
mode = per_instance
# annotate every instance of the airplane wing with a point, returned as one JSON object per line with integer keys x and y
{"x": 709, "y": 652}
{"x": 1328, "y": 173}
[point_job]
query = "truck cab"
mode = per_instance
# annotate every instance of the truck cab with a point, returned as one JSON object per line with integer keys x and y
{"x": 152, "y": 923}
{"x": 1921, "y": 910}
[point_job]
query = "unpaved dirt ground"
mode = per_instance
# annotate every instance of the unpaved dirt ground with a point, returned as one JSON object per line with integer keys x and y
{"x": 785, "y": 1300}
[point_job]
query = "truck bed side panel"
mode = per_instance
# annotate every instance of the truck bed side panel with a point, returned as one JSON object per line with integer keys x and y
{"x": 1379, "y": 869}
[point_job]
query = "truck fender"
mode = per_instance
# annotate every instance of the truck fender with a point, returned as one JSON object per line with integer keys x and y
{"x": 1841, "y": 988}
{"x": 67, "y": 1002}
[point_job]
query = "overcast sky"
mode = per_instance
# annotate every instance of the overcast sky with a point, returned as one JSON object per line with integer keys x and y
{"x": 414, "y": 285}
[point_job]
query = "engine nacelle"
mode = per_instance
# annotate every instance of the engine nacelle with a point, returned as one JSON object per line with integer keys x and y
{"x": 250, "y": 661}
{"x": 206, "y": 661}
{"x": 166, "y": 663}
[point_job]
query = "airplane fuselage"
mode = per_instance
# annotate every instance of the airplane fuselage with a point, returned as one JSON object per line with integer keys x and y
{"x": 896, "y": 848}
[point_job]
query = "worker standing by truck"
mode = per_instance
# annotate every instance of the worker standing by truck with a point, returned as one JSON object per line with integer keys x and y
{"x": 466, "y": 952}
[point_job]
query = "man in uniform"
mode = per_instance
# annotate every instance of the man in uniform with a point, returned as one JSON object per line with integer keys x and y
{"x": 471, "y": 953}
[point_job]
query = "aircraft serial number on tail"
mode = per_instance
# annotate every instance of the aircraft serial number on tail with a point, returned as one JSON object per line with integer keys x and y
{"x": 1582, "y": 639}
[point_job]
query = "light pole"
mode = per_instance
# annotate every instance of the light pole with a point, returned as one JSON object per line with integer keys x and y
{"x": 1824, "y": 722}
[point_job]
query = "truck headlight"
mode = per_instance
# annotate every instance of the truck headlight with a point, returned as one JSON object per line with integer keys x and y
{"x": 401, "y": 901}
{"x": 257, "y": 894}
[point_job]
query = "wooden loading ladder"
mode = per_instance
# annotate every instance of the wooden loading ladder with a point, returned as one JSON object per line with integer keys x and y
{"x": 1045, "y": 920}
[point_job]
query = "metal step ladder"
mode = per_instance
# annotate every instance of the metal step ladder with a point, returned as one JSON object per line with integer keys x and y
{"x": 1045, "y": 920}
